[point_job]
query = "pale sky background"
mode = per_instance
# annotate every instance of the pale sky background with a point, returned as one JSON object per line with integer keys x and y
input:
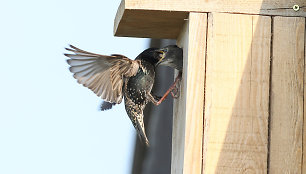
{"x": 48, "y": 122}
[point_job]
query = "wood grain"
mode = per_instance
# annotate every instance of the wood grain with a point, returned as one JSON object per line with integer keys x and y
{"x": 148, "y": 23}
{"x": 188, "y": 109}
{"x": 287, "y": 95}
{"x": 237, "y": 94}
{"x": 164, "y": 19}
{"x": 304, "y": 126}
{"x": 265, "y": 7}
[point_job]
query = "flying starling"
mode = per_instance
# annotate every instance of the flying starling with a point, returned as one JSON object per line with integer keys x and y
{"x": 116, "y": 76}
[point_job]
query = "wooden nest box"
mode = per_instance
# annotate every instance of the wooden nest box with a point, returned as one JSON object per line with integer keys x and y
{"x": 242, "y": 103}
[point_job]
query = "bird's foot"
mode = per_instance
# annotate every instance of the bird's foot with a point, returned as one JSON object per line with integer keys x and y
{"x": 174, "y": 89}
{"x": 175, "y": 92}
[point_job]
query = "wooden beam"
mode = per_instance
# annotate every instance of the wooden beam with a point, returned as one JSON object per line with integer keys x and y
{"x": 304, "y": 126}
{"x": 188, "y": 109}
{"x": 148, "y": 23}
{"x": 263, "y": 7}
{"x": 237, "y": 94}
{"x": 287, "y": 95}
{"x": 164, "y": 19}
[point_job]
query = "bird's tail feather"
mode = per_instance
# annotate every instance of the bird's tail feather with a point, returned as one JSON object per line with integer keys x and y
{"x": 106, "y": 105}
{"x": 141, "y": 132}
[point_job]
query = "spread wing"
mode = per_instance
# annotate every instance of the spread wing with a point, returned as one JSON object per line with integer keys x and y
{"x": 100, "y": 73}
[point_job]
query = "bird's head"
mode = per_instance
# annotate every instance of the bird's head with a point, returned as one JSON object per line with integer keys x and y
{"x": 171, "y": 56}
{"x": 150, "y": 55}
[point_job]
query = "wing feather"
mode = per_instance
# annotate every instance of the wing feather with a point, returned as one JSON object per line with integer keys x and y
{"x": 102, "y": 74}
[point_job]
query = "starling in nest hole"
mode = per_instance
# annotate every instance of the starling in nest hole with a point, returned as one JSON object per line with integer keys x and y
{"x": 115, "y": 77}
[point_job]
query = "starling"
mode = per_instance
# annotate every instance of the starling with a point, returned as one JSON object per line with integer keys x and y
{"x": 116, "y": 76}
{"x": 172, "y": 56}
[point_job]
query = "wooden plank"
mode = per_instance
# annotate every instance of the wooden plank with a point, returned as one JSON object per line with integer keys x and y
{"x": 188, "y": 109}
{"x": 287, "y": 95}
{"x": 304, "y": 126}
{"x": 237, "y": 94}
{"x": 263, "y": 7}
{"x": 164, "y": 19}
{"x": 148, "y": 23}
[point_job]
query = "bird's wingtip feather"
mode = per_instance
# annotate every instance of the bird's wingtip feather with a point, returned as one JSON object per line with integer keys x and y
{"x": 67, "y": 55}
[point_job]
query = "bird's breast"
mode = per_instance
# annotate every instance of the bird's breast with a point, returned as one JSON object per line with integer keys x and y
{"x": 140, "y": 85}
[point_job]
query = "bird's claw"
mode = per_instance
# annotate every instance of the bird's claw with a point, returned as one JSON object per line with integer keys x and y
{"x": 175, "y": 92}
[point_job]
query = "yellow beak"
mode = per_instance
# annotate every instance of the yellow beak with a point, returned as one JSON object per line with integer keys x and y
{"x": 162, "y": 56}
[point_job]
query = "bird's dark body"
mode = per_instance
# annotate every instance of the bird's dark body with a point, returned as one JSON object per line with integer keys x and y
{"x": 115, "y": 77}
{"x": 136, "y": 90}
{"x": 141, "y": 84}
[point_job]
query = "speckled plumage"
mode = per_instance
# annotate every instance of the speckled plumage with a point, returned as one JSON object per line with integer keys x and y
{"x": 136, "y": 91}
{"x": 116, "y": 76}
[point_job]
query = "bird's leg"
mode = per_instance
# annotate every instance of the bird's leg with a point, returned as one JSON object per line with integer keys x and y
{"x": 157, "y": 98}
{"x": 175, "y": 92}
{"x": 172, "y": 87}
{"x": 154, "y": 99}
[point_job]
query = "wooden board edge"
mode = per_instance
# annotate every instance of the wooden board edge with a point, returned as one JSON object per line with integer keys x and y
{"x": 188, "y": 109}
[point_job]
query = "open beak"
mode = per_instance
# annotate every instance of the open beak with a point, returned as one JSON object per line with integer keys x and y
{"x": 162, "y": 54}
